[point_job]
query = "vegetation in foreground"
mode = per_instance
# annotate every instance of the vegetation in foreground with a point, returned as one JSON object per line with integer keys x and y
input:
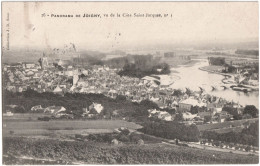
{"x": 248, "y": 136}
{"x": 100, "y": 153}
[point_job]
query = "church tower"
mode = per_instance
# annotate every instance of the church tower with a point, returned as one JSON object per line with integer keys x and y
{"x": 75, "y": 76}
{"x": 44, "y": 61}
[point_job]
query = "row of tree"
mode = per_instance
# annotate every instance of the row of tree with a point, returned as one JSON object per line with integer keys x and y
{"x": 171, "y": 130}
{"x": 218, "y": 61}
{"x": 250, "y": 111}
{"x": 247, "y": 52}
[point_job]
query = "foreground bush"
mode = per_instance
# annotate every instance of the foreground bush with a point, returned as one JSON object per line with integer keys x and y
{"x": 98, "y": 153}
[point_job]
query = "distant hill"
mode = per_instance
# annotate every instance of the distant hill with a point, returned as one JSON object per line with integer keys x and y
{"x": 33, "y": 55}
{"x": 247, "y": 52}
{"x": 21, "y": 56}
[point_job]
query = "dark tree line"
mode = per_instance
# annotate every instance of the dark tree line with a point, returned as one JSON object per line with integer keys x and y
{"x": 249, "y": 110}
{"x": 171, "y": 130}
{"x": 138, "y": 65}
{"x": 218, "y": 61}
{"x": 76, "y": 102}
{"x": 247, "y": 52}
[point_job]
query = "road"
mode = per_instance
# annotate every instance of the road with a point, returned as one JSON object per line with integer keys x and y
{"x": 228, "y": 150}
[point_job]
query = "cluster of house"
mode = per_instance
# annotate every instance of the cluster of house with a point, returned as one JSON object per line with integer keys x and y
{"x": 209, "y": 107}
{"x": 19, "y": 76}
{"x": 206, "y": 112}
{"x": 60, "y": 112}
{"x": 246, "y": 77}
{"x": 245, "y": 72}
{"x": 64, "y": 78}
{"x": 163, "y": 115}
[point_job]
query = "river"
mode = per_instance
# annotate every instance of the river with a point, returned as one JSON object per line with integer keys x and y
{"x": 192, "y": 77}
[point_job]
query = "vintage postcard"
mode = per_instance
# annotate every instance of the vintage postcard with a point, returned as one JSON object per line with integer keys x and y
{"x": 130, "y": 83}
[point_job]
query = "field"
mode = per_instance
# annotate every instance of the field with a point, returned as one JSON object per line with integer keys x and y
{"x": 226, "y": 130}
{"x": 24, "y": 117}
{"x": 227, "y": 124}
{"x": 27, "y": 125}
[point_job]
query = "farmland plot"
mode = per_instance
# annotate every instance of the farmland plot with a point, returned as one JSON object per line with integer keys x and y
{"x": 25, "y": 127}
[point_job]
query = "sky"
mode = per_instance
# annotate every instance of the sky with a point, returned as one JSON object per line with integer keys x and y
{"x": 190, "y": 22}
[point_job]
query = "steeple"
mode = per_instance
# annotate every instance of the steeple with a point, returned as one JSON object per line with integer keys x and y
{"x": 44, "y": 61}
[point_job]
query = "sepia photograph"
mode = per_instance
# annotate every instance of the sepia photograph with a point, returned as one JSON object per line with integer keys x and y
{"x": 130, "y": 83}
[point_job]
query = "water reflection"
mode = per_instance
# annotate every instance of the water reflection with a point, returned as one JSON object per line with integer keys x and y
{"x": 192, "y": 77}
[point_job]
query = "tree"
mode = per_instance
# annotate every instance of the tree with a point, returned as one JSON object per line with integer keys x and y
{"x": 248, "y": 148}
{"x": 252, "y": 129}
{"x": 121, "y": 98}
{"x": 219, "y": 61}
{"x": 171, "y": 130}
{"x": 230, "y": 110}
{"x": 188, "y": 91}
{"x": 237, "y": 117}
{"x": 231, "y": 69}
{"x": 123, "y": 138}
{"x": 179, "y": 117}
{"x": 135, "y": 137}
{"x": 207, "y": 119}
{"x": 194, "y": 109}
{"x": 149, "y": 104}
{"x": 170, "y": 111}
{"x": 19, "y": 110}
{"x": 125, "y": 132}
{"x": 247, "y": 116}
{"x": 107, "y": 138}
{"x": 177, "y": 92}
{"x": 138, "y": 112}
{"x": 252, "y": 110}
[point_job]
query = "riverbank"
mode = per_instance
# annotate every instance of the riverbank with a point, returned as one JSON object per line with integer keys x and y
{"x": 195, "y": 77}
{"x": 227, "y": 80}
{"x": 189, "y": 63}
{"x": 206, "y": 68}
